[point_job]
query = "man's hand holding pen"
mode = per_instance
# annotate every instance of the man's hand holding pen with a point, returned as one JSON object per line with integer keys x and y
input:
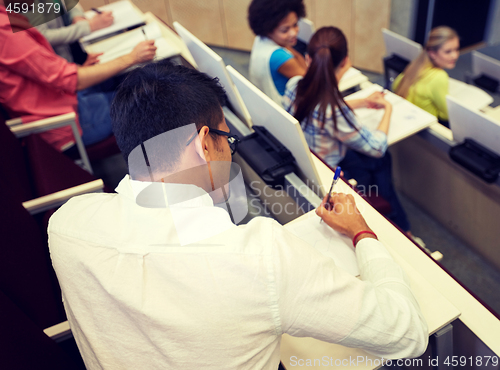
{"x": 339, "y": 211}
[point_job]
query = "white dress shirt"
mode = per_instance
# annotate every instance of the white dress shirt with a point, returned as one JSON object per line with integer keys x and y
{"x": 136, "y": 299}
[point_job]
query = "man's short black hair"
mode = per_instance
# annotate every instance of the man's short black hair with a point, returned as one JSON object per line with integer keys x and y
{"x": 265, "y": 15}
{"x": 160, "y": 97}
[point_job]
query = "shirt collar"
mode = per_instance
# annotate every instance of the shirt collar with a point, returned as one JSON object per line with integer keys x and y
{"x": 160, "y": 195}
{"x": 184, "y": 201}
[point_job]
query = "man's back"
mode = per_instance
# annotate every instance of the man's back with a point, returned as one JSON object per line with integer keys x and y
{"x": 137, "y": 299}
{"x": 157, "y": 276}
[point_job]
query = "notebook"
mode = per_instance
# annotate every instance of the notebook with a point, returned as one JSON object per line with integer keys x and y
{"x": 124, "y": 43}
{"x": 406, "y": 119}
{"x": 125, "y": 17}
{"x": 469, "y": 95}
{"x": 351, "y": 78}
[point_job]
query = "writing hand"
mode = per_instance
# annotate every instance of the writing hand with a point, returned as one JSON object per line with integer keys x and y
{"x": 376, "y": 101}
{"x": 342, "y": 215}
{"x": 99, "y": 21}
{"x": 144, "y": 51}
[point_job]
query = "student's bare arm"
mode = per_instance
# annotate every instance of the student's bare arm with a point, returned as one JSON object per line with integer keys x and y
{"x": 94, "y": 74}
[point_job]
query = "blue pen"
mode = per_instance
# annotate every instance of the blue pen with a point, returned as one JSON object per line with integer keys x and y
{"x": 336, "y": 178}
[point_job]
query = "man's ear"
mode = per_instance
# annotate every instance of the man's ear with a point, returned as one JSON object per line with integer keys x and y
{"x": 204, "y": 149}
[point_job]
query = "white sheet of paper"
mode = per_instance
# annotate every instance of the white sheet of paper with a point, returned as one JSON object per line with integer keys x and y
{"x": 469, "y": 95}
{"x": 406, "y": 118}
{"x": 123, "y": 48}
{"x": 326, "y": 241}
{"x": 350, "y": 73}
{"x": 124, "y": 43}
{"x": 124, "y": 15}
{"x": 152, "y": 31}
{"x": 351, "y": 78}
{"x": 165, "y": 49}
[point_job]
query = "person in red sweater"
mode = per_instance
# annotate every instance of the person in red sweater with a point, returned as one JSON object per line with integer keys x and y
{"x": 36, "y": 83}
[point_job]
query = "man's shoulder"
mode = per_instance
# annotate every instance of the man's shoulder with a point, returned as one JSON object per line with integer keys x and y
{"x": 259, "y": 234}
{"x": 79, "y": 210}
{"x": 260, "y": 221}
{"x": 265, "y": 231}
{"x": 258, "y": 226}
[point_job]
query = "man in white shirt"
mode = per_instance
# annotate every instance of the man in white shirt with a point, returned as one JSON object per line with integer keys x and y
{"x": 158, "y": 276}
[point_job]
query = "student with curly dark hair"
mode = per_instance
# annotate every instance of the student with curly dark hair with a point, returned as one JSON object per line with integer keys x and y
{"x": 273, "y": 60}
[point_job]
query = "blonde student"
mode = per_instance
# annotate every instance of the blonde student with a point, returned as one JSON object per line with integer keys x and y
{"x": 425, "y": 82}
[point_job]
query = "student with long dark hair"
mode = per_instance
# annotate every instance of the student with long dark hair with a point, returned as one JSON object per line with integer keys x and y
{"x": 330, "y": 126}
{"x": 273, "y": 59}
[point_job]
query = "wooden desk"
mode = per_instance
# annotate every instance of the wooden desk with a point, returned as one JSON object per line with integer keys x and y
{"x": 436, "y": 308}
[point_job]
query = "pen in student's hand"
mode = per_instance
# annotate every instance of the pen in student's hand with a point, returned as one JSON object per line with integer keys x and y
{"x": 96, "y": 10}
{"x": 336, "y": 178}
{"x": 145, "y": 36}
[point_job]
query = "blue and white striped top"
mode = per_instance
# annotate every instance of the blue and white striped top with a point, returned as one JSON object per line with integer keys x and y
{"x": 330, "y": 144}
